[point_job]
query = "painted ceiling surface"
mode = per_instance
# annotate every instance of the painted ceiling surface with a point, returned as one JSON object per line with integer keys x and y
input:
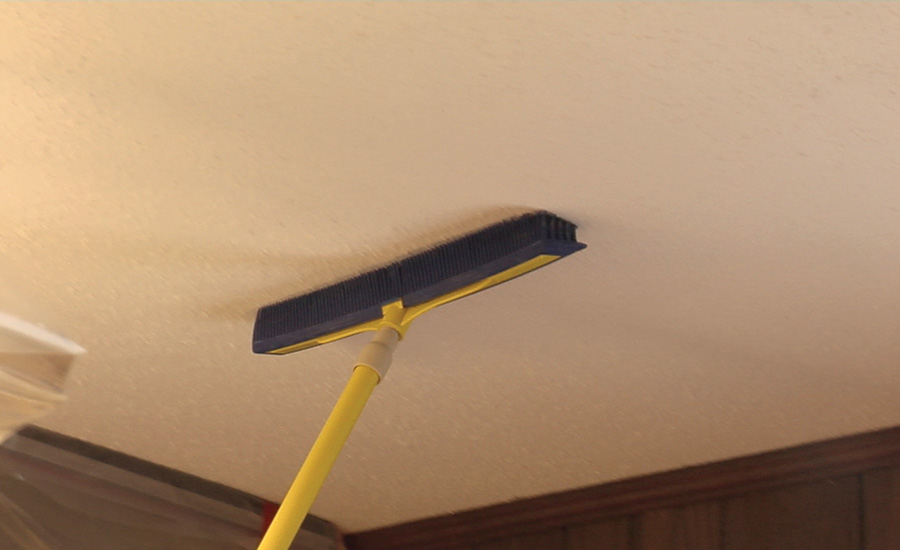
{"x": 165, "y": 169}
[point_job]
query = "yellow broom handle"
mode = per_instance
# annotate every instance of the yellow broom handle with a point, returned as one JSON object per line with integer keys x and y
{"x": 321, "y": 458}
{"x": 328, "y": 445}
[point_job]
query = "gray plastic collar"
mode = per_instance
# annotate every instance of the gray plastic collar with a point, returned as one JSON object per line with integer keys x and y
{"x": 377, "y": 354}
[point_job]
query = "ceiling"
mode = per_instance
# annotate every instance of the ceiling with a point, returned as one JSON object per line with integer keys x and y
{"x": 165, "y": 169}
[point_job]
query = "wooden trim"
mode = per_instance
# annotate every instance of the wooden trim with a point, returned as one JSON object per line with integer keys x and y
{"x": 838, "y": 457}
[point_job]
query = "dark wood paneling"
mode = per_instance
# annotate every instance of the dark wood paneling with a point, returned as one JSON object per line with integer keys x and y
{"x": 823, "y": 516}
{"x": 546, "y": 540}
{"x": 881, "y": 504}
{"x": 817, "y": 461}
{"x": 695, "y": 527}
{"x": 614, "y": 534}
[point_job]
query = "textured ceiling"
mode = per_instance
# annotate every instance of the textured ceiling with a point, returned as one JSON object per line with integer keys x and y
{"x": 734, "y": 168}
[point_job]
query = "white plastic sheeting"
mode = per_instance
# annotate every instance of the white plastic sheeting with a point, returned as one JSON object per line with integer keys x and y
{"x": 34, "y": 363}
{"x": 52, "y": 498}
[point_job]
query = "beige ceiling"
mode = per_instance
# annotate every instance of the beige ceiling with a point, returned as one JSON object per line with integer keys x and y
{"x": 167, "y": 168}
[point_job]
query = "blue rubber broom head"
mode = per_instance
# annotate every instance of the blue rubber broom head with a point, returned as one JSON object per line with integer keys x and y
{"x": 418, "y": 282}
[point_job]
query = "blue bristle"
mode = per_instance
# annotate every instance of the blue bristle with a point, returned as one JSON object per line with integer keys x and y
{"x": 416, "y": 279}
{"x": 484, "y": 253}
{"x": 326, "y": 310}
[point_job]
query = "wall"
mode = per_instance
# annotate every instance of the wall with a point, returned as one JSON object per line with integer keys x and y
{"x": 846, "y": 513}
{"x": 842, "y": 494}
